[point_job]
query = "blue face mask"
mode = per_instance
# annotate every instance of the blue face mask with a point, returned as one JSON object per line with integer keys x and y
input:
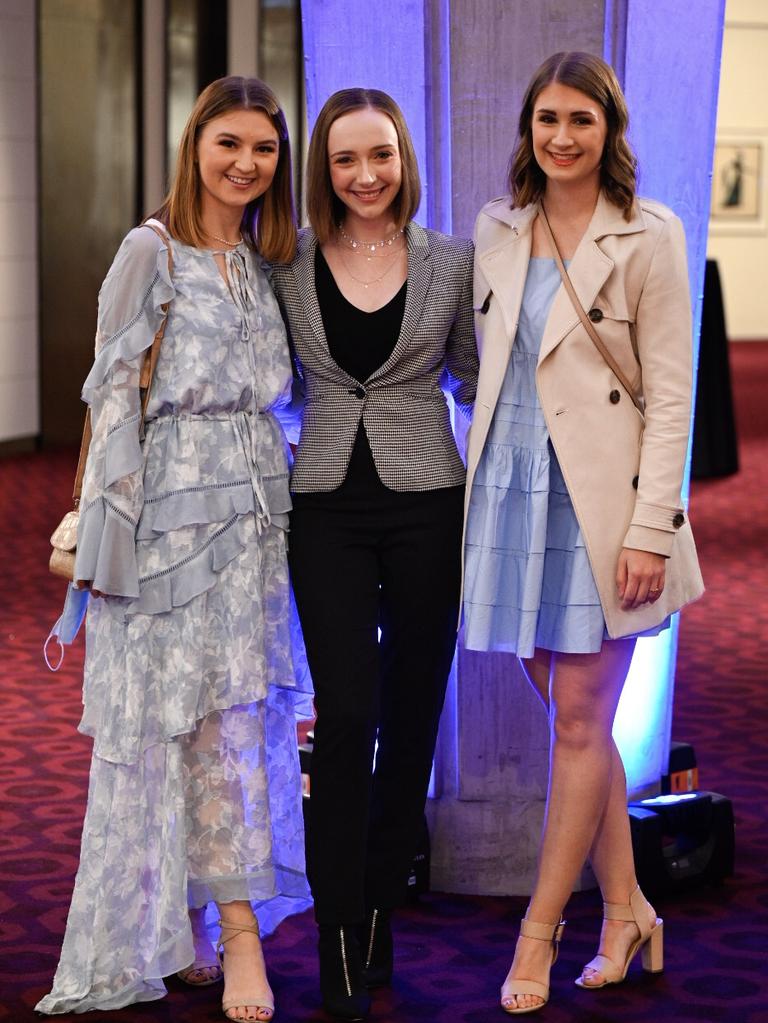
{"x": 68, "y": 625}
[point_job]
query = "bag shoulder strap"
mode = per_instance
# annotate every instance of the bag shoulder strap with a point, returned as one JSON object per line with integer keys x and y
{"x": 145, "y": 376}
{"x": 585, "y": 320}
{"x": 85, "y": 444}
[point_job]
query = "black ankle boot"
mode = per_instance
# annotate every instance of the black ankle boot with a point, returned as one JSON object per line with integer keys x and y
{"x": 376, "y": 948}
{"x": 341, "y": 974}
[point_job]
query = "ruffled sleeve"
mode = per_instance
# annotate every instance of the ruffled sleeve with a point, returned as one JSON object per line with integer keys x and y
{"x": 130, "y": 312}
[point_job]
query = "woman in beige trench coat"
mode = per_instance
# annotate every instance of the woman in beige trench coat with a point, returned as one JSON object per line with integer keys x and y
{"x": 576, "y": 538}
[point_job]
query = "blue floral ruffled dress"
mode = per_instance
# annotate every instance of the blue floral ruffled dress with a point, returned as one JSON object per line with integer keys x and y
{"x": 194, "y": 671}
{"x": 528, "y": 580}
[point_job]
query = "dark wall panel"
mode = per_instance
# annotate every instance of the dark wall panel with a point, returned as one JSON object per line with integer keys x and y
{"x": 88, "y": 185}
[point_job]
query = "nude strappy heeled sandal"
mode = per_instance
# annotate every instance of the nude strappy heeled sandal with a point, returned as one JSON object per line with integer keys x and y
{"x": 263, "y": 1000}
{"x": 202, "y": 972}
{"x": 205, "y": 968}
{"x": 542, "y": 932}
{"x": 650, "y": 941}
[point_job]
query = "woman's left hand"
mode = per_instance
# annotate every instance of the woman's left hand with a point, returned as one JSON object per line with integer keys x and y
{"x": 639, "y": 577}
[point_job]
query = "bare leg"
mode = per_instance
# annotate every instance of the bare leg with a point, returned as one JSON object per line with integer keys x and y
{"x": 205, "y": 969}
{"x": 614, "y": 867}
{"x": 584, "y": 692}
{"x": 245, "y": 971}
{"x": 538, "y": 670}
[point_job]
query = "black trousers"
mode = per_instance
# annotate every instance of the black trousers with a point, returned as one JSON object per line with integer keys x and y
{"x": 365, "y": 558}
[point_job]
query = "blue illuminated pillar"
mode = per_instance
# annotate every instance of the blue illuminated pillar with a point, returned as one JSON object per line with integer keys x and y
{"x": 669, "y": 63}
{"x": 373, "y": 46}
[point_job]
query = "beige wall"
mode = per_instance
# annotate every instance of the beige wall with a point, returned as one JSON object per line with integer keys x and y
{"x": 19, "y": 406}
{"x": 742, "y": 253}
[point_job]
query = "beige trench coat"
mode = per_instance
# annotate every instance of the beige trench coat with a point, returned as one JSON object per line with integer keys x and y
{"x": 624, "y": 476}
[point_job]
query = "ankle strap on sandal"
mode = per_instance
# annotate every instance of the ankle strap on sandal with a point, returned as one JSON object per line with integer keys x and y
{"x": 238, "y": 929}
{"x": 632, "y": 912}
{"x": 542, "y": 932}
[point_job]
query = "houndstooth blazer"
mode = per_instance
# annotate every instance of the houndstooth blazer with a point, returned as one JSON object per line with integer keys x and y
{"x": 402, "y": 404}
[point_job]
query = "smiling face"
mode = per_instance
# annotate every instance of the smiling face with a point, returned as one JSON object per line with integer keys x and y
{"x": 237, "y": 157}
{"x": 364, "y": 163}
{"x": 569, "y": 131}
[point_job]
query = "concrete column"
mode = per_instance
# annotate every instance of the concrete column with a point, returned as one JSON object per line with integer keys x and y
{"x": 381, "y": 46}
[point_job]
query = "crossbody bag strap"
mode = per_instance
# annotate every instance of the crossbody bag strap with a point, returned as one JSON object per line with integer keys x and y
{"x": 145, "y": 377}
{"x": 85, "y": 444}
{"x": 585, "y": 320}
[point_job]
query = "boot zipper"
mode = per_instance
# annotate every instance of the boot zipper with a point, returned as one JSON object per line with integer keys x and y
{"x": 344, "y": 962}
{"x": 370, "y": 943}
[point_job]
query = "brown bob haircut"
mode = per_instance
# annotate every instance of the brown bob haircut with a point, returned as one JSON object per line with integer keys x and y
{"x": 324, "y": 208}
{"x": 269, "y": 222}
{"x": 595, "y": 78}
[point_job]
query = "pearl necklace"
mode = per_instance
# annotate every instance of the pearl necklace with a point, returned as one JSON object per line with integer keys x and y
{"x": 372, "y": 247}
{"x": 224, "y": 241}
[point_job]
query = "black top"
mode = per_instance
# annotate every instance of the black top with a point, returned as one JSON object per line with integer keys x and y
{"x": 359, "y": 342}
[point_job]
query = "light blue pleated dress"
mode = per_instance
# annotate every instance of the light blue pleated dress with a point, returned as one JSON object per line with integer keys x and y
{"x": 528, "y": 579}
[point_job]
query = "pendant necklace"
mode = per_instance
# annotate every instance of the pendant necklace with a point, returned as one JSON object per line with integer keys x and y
{"x": 367, "y": 284}
{"x": 369, "y": 248}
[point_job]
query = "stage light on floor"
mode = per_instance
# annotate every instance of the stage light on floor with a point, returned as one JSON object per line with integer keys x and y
{"x": 682, "y": 840}
{"x": 667, "y": 800}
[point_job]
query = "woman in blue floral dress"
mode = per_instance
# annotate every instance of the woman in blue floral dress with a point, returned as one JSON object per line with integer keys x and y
{"x": 193, "y": 675}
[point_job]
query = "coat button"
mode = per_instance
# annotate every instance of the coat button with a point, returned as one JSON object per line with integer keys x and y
{"x": 359, "y": 392}
{"x": 678, "y": 520}
{"x": 614, "y": 397}
{"x": 595, "y": 315}
{"x": 635, "y": 482}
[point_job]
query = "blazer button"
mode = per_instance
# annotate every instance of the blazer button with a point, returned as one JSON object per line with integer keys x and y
{"x": 359, "y": 392}
{"x": 678, "y": 520}
{"x": 595, "y": 315}
{"x": 614, "y": 397}
{"x": 635, "y": 482}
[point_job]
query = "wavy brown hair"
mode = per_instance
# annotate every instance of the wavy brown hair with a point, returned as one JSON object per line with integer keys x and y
{"x": 269, "y": 222}
{"x": 324, "y": 208}
{"x": 595, "y": 78}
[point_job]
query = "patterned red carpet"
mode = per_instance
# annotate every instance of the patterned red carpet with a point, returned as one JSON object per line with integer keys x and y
{"x": 452, "y": 952}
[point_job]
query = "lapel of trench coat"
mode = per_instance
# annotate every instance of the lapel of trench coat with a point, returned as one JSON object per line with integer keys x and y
{"x": 589, "y": 269}
{"x": 503, "y": 265}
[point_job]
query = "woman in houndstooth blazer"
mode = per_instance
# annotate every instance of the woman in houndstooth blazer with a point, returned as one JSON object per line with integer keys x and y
{"x": 380, "y": 316}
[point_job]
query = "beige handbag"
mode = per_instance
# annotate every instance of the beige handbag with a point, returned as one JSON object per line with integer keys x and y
{"x": 64, "y": 538}
{"x": 586, "y": 322}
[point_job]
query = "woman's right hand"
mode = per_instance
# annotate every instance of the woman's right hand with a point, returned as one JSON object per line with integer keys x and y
{"x": 640, "y": 577}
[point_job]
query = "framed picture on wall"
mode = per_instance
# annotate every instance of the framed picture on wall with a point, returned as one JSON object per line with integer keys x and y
{"x": 739, "y": 183}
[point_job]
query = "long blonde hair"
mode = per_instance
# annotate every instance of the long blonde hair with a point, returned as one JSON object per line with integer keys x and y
{"x": 269, "y": 222}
